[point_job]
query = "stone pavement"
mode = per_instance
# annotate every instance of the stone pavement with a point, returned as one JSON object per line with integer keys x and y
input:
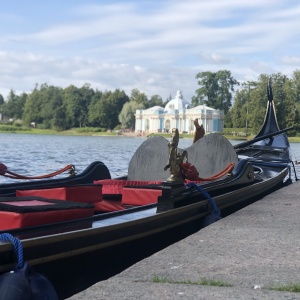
{"x": 252, "y": 250}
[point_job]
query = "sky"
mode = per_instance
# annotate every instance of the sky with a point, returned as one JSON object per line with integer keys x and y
{"x": 157, "y": 47}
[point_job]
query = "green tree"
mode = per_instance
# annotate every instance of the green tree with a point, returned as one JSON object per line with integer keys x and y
{"x": 14, "y": 106}
{"x": 155, "y": 100}
{"x": 58, "y": 121}
{"x": 296, "y": 85}
{"x": 51, "y": 98}
{"x": 9, "y": 108}
{"x": 1, "y": 107}
{"x": 282, "y": 103}
{"x": 228, "y": 123}
{"x": 295, "y": 94}
{"x": 236, "y": 111}
{"x": 20, "y": 104}
{"x": 86, "y": 93}
{"x": 93, "y": 110}
{"x": 105, "y": 111}
{"x": 71, "y": 100}
{"x": 1, "y": 100}
{"x": 215, "y": 89}
{"x": 76, "y": 103}
{"x": 42, "y": 105}
{"x": 169, "y": 98}
{"x": 32, "y": 108}
{"x": 139, "y": 97}
{"x": 257, "y": 103}
{"x": 127, "y": 114}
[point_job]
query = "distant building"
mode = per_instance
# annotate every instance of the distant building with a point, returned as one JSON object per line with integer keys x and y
{"x": 179, "y": 114}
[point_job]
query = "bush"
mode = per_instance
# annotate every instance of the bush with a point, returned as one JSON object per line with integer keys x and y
{"x": 13, "y": 128}
{"x": 41, "y": 126}
{"x": 90, "y": 129}
{"x": 118, "y": 127}
{"x": 18, "y": 123}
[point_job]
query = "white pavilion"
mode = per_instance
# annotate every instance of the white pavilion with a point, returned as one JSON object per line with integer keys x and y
{"x": 179, "y": 114}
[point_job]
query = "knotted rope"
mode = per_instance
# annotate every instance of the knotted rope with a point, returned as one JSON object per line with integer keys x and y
{"x": 6, "y": 173}
{"x": 18, "y": 248}
{"x": 215, "y": 214}
{"x": 190, "y": 172}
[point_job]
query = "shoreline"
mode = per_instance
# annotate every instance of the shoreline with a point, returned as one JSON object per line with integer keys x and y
{"x": 126, "y": 134}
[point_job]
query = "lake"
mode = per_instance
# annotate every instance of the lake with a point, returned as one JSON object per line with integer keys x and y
{"x": 31, "y": 155}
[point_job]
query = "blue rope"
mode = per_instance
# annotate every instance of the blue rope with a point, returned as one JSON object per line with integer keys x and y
{"x": 17, "y": 247}
{"x": 204, "y": 193}
{"x": 296, "y": 178}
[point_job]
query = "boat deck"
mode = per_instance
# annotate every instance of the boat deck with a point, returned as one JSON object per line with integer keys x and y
{"x": 253, "y": 250}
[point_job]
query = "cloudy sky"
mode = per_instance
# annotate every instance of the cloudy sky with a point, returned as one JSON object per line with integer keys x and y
{"x": 156, "y": 46}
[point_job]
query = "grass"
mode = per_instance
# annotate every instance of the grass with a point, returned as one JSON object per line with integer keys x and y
{"x": 73, "y": 131}
{"x": 293, "y": 287}
{"x": 203, "y": 281}
{"x": 27, "y": 130}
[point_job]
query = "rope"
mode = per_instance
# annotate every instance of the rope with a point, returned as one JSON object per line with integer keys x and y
{"x": 296, "y": 178}
{"x": 192, "y": 174}
{"x": 18, "y": 248}
{"x": 4, "y": 172}
{"x": 204, "y": 193}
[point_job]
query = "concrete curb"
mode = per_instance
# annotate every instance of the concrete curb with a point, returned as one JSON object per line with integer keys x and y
{"x": 253, "y": 250}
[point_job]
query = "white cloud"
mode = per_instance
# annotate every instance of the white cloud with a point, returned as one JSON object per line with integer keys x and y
{"x": 155, "y": 46}
{"x": 215, "y": 58}
{"x": 291, "y": 60}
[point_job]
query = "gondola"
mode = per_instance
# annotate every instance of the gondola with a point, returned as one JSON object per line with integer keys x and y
{"x": 132, "y": 208}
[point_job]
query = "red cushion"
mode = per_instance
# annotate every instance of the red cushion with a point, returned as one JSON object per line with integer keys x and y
{"x": 17, "y": 213}
{"x": 140, "y": 196}
{"x": 81, "y": 193}
{"x": 108, "y": 206}
{"x": 115, "y": 186}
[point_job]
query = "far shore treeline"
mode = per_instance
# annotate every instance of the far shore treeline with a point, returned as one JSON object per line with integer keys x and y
{"x": 60, "y": 109}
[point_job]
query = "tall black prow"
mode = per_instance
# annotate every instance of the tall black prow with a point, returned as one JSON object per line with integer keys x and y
{"x": 270, "y": 137}
{"x": 270, "y": 144}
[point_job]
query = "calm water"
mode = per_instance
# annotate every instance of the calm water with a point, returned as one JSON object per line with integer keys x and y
{"x": 42, "y": 154}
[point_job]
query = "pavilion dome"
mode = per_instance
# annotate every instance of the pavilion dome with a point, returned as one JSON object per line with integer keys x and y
{"x": 178, "y": 103}
{"x": 154, "y": 109}
{"x": 203, "y": 106}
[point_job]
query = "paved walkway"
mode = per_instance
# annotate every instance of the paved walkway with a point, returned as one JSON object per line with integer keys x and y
{"x": 252, "y": 250}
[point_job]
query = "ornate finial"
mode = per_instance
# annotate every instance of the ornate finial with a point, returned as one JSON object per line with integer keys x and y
{"x": 175, "y": 159}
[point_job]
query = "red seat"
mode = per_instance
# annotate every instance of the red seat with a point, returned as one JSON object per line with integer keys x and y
{"x": 80, "y": 193}
{"x": 17, "y": 212}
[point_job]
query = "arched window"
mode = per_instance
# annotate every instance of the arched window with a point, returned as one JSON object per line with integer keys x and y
{"x": 167, "y": 125}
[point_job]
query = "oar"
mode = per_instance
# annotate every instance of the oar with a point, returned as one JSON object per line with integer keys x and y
{"x": 263, "y": 137}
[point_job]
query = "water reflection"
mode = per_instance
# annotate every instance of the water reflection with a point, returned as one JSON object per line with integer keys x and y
{"x": 42, "y": 154}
